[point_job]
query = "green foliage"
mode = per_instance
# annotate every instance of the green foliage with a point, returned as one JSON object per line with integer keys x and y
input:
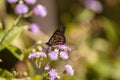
{"x": 7, "y": 37}
{"x": 2, "y": 34}
{"x": 12, "y": 35}
{"x": 111, "y": 30}
{"x": 68, "y": 77}
{"x": 10, "y": 52}
{"x": 37, "y": 77}
{"x": 5, "y": 75}
{"x": 15, "y": 51}
{"x": 30, "y": 69}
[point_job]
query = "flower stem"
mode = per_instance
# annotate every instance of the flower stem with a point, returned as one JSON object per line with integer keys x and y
{"x": 17, "y": 20}
{"x": 14, "y": 24}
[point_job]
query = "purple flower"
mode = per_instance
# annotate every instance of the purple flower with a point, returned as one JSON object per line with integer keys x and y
{"x": 37, "y": 55}
{"x": 40, "y": 55}
{"x": 53, "y": 55}
{"x": 32, "y": 55}
{"x": 51, "y": 78}
{"x": 69, "y": 70}
{"x": 34, "y": 28}
{"x": 68, "y": 48}
{"x": 12, "y": 1}
{"x": 47, "y": 49}
{"x": 53, "y": 74}
{"x": 21, "y": 9}
{"x": 64, "y": 55}
{"x": 94, "y": 5}
{"x": 30, "y": 1}
{"x": 43, "y": 55}
{"x": 63, "y": 47}
{"x": 47, "y": 67}
{"x": 40, "y": 10}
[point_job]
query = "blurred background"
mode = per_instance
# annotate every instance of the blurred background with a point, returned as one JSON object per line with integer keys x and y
{"x": 92, "y": 32}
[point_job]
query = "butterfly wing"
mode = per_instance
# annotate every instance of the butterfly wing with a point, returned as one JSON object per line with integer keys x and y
{"x": 58, "y": 37}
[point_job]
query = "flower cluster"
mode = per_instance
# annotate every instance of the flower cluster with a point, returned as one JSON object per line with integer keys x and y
{"x": 22, "y": 8}
{"x": 53, "y": 54}
{"x": 60, "y": 51}
{"x": 37, "y": 55}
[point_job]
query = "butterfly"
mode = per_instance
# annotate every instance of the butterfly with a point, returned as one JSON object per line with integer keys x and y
{"x": 58, "y": 37}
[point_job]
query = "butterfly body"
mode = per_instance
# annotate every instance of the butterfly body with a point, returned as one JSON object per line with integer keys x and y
{"x": 58, "y": 37}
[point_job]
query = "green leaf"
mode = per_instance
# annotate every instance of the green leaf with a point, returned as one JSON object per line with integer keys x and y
{"x": 30, "y": 69}
{"x": 2, "y": 33}
{"x": 15, "y": 51}
{"x": 2, "y": 47}
{"x": 12, "y": 35}
{"x": 5, "y": 75}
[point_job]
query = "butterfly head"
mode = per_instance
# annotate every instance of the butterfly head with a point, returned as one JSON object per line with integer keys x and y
{"x": 49, "y": 44}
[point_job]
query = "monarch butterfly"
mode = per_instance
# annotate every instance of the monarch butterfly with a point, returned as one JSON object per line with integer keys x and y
{"x": 58, "y": 37}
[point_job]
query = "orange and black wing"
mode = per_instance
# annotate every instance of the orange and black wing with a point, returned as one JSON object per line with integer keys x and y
{"x": 58, "y": 37}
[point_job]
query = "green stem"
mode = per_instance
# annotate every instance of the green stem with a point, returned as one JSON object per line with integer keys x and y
{"x": 17, "y": 20}
{"x": 14, "y": 24}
